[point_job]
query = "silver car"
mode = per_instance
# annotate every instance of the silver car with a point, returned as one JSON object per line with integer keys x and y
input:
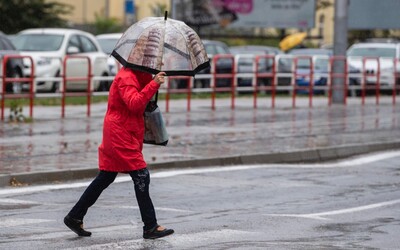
{"x": 49, "y": 47}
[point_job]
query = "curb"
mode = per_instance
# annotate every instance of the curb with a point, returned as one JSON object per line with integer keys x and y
{"x": 301, "y": 156}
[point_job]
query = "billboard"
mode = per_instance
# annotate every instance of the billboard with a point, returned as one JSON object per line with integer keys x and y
{"x": 373, "y": 14}
{"x": 246, "y": 13}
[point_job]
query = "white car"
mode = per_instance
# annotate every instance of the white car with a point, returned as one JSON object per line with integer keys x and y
{"x": 49, "y": 46}
{"x": 374, "y": 54}
{"x": 107, "y": 43}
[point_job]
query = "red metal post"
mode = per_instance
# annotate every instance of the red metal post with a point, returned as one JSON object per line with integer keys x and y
{"x": 89, "y": 89}
{"x": 167, "y": 96}
{"x": 310, "y": 76}
{"x": 87, "y": 93}
{"x": 265, "y": 75}
{"x": 189, "y": 92}
{"x": 395, "y": 76}
{"x": 3, "y": 89}
{"x": 376, "y": 74}
{"x": 5, "y": 80}
{"x": 216, "y": 76}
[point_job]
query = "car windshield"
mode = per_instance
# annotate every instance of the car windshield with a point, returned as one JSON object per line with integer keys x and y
{"x": 107, "y": 44}
{"x": 372, "y": 52}
{"x": 38, "y": 42}
{"x": 305, "y": 55}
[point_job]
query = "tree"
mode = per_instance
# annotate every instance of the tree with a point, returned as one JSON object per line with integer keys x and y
{"x": 106, "y": 25}
{"x": 17, "y": 15}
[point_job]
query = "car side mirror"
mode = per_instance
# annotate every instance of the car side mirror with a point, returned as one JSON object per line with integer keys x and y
{"x": 72, "y": 50}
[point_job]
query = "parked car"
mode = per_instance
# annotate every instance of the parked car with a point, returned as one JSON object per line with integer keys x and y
{"x": 214, "y": 48}
{"x": 48, "y": 48}
{"x": 246, "y": 56}
{"x": 320, "y": 60}
{"x": 381, "y": 52}
{"x": 107, "y": 43}
{"x": 14, "y": 67}
{"x": 255, "y": 50}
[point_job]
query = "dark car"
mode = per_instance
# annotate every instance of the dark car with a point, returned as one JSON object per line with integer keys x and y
{"x": 14, "y": 67}
{"x": 320, "y": 59}
{"x": 224, "y": 65}
{"x": 246, "y": 56}
{"x": 255, "y": 49}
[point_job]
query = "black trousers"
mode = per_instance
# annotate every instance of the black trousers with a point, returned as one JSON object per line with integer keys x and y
{"x": 141, "y": 180}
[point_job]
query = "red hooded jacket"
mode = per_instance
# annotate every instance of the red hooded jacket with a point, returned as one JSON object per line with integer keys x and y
{"x": 123, "y": 131}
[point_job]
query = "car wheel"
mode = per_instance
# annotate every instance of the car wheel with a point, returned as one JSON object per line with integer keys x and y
{"x": 14, "y": 87}
{"x": 104, "y": 85}
{"x": 397, "y": 82}
{"x": 56, "y": 85}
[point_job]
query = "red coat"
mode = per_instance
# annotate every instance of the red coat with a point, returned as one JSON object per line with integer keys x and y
{"x": 123, "y": 131}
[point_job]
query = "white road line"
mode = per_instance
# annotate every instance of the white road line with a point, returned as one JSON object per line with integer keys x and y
{"x": 181, "y": 240}
{"x": 13, "y": 222}
{"x": 136, "y": 207}
{"x": 17, "y": 202}
{"x": 320, "y": 216}
{"x": 356, "y": 161}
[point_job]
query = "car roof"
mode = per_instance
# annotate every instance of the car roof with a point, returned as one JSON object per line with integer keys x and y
{"x": 255, "y": 48}
{"x": 205, "y": 41}
{"x": 311, "y": 51}
{"x": 8, "y": 44}
{"x": 109, "y": 35}
{"x": 375, "y": 45}
{"x": 60, "y": 31}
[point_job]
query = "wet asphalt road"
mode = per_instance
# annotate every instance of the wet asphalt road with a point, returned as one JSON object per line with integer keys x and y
{"x": 51, "y": 143}
{"x": 351, "y": 204}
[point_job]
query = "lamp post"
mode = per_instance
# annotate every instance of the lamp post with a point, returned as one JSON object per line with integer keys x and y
{"x": 339, "y": 49}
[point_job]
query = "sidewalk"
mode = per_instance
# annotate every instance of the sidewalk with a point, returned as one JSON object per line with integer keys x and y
{"x": 54, "y": 149}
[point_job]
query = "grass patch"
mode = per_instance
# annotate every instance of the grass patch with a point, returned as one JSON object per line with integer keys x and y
{"x": 81, "y": 100}
{"x": 53, "y": 101}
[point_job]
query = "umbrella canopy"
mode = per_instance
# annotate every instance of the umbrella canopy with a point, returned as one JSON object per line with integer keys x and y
{"x": 157, "y": 44}
{"x": 292, "y": 40}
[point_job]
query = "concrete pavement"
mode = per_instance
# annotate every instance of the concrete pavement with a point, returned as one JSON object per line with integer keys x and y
{"x": 53, "y": 149}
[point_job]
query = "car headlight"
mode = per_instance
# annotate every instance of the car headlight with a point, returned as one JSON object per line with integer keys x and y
{"x": 387, "y": 70}
{"x": 43, "y": 61}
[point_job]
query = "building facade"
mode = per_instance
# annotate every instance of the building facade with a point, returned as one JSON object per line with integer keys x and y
{"x": 85, "y": 12}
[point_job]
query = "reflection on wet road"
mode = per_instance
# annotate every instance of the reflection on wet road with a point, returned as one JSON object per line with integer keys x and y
{"x": 348, "y": 204}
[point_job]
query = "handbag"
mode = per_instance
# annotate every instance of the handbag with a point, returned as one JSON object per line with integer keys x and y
{"x": 154, "y": 126}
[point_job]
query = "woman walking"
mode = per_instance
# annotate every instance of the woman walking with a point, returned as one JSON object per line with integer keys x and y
{"x": 121, "y": 150}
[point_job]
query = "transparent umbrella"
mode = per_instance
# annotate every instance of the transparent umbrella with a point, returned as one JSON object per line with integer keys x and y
{"x": 157, "y": 44}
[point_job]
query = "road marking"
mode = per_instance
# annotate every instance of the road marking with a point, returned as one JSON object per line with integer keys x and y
{"x": 17, "y": 202}
{"x": 319, "y": 216}
{"x": 158, "y": 208}
{"x": 13, "y": 222}
{"x": 352, "y": 162}
{"x": 182, "y": 241}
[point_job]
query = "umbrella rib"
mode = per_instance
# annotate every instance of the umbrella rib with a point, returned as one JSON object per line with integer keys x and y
{"x": 168, "y": 46}
{"x": 125, "y": 42}
{"x": 180, "y": 52}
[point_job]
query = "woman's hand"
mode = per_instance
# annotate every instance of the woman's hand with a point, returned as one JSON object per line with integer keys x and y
{"x": 159, "y": 78}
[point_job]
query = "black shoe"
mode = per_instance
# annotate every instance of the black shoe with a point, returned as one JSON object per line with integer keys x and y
{"x": 154, "y": 233}
{"x": 76, "y": 226}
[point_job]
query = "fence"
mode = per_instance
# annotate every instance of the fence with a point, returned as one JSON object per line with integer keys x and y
{"x": 293, "y": 75}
